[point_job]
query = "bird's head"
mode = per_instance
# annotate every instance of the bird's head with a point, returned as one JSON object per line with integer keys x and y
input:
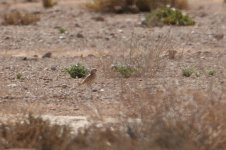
{"x": 93, "y": 71}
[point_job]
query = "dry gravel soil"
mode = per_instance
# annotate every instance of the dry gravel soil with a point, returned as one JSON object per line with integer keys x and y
{"x": 46, "y": 89}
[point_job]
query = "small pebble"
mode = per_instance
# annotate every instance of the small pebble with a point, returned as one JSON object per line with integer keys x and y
{"x": 80, "y": 35}
{"x": 12, "y": 85}
{"x": 47, "y": 55}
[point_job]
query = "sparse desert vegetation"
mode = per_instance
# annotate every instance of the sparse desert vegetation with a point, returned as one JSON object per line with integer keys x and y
{"x": 77, "y": 71}
{"x": 134, "y": 6}
{"x": 211, "y": 72}
{"x": 19, "y": 17}
{"x": 125, "y": 70}
{"x": 49, "y": 3}
{"x": 203, "y": 129}
{"x": 188, "y": 71}
{"x": 61, "y": 30}
{"x": 168, "y": 16}
{"x": 159, "y": 75}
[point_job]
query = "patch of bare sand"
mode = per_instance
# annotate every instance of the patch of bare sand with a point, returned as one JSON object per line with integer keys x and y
{"x": 55, "y": 53}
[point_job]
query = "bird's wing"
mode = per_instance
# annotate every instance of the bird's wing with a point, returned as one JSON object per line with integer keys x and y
{"x": 83, "y": 81}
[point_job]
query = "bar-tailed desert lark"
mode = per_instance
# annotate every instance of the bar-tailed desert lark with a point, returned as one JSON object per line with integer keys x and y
{"x": 90, "y": 79}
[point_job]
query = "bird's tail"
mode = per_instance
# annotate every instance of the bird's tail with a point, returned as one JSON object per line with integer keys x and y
{"x": 81, "y": 83}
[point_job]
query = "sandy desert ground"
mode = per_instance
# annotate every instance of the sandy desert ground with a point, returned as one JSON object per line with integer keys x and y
{"x": 44, "y": 87}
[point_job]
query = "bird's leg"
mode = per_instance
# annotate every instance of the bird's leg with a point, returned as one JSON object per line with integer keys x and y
{"x": 91, "y": 92}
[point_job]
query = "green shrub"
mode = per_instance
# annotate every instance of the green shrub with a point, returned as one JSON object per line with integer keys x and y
{"x": 132, "y": 5}
{"x": 77, "y": 71}
{"x": 61, "y": 29}
{"x": 211, "y": 72}
{"x": 187, "y": 72}
{"x": 125, "y": 70}
{"x": 168, "y": 16}
{"x": 19, "y": 76}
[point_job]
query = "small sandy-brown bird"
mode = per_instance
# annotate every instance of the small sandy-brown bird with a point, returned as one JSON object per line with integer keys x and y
{"x": 89, "y": 80}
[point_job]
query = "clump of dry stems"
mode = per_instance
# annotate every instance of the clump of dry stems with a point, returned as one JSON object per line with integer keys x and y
{"x": 49, "y": 3}
{"x": 133, "y": 5}
{"x": 20, "y": 17}
{"x": 203, "y": 129}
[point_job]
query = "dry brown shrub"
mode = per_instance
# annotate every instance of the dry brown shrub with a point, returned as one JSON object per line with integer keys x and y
{"x": 20, "y": 17}
{"x": 142, "y": 54}
{"x": 166, "y": 128}
{"x": 133, "y": 5}
{"x": 172, "y": 54}
{"x": 49, "y": 3}
{"x": 169, "y": 122}
{"x": 33, "y": 132}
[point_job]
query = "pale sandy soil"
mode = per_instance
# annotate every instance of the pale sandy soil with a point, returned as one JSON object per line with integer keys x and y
{"x": 44, "y": 90}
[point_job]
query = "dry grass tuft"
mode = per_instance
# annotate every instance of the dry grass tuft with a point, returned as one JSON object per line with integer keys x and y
{"x": 49, "y": 3}
{"x": 203, "y": 129}
{"x": 172, "y": 54}
{"x": 33, "y": 132}
{"x": 119, "y": 6}
{"x": 20, "y": 17}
